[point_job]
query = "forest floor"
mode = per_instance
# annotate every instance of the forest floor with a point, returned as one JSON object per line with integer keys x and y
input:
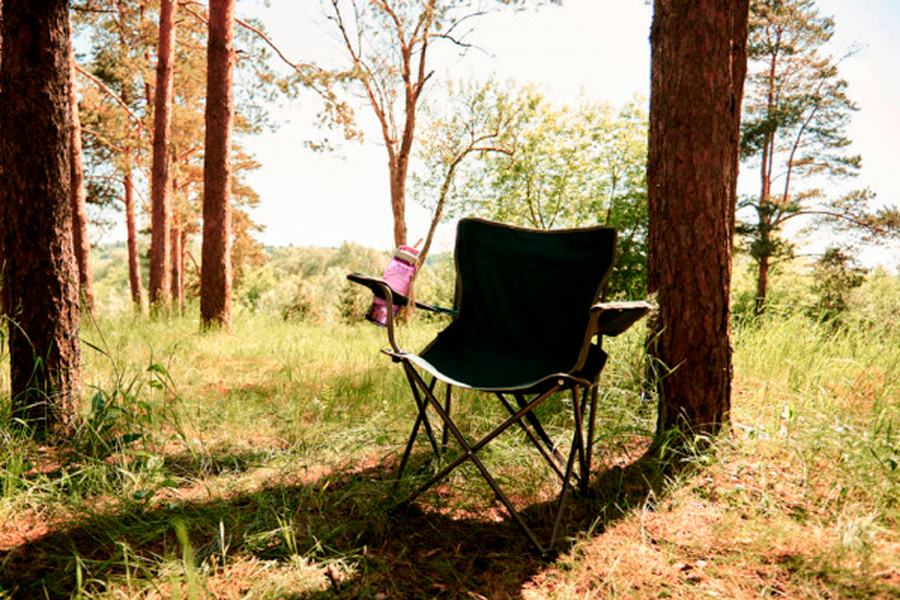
{"x": 258, "y": 463}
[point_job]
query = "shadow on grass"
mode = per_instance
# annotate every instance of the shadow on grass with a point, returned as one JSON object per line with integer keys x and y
{"x": 350, "y": 516}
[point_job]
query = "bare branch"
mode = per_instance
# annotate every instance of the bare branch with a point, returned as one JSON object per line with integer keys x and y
{"x": 100, "y": 138}
{"x": 105, "y": 89}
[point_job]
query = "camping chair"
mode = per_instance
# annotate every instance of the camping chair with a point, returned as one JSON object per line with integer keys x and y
{"x": 527, "y": 325}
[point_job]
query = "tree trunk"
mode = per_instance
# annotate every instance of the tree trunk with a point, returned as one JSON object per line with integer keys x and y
{"x": 398, "y": 168}
{"x": 215, "y": 274}
{"x": 182, "y": 265}
{"x": 762, "y": 284}
{"x": 80, "y": 240}
{"x": 159, "y": 188}
{"x": 699, "y": 58}
{"x": 176, "y": 264}
{"x": 39, "y": 289}
{"x": 134, "y": 262}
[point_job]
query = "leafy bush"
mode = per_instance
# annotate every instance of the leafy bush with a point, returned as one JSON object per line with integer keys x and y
{"x": 310, "y": 284}
{"x": 876, "y": 302}
{"x": 790, "y": 288}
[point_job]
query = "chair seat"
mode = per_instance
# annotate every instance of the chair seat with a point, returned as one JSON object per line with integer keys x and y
{"x": 473, "y": 367}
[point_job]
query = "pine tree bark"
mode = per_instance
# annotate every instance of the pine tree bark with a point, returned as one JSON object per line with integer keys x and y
{"x": 699, "y": 60}
{"x": 39, "y": 288}
{"x": 80, "y": 241}
{"x": 215, "y": 272}
{"x": 134, "y": 261}
{"x": 159, "y": 181}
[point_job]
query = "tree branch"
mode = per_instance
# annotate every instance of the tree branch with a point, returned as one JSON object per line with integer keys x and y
{"x": 105, "y": 89}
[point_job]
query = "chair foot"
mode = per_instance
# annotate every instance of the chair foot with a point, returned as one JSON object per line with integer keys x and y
{"x": 549, "y": 554}
{"x": 405, "y": 508}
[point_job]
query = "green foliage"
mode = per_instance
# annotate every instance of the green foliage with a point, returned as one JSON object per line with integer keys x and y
{"x": 790, "y": 290}
{"x": 570, "y": 164}
{"x": 306, "y": 284}
{"x": 795, "y": 107}
{"x": 875, "y": 303}
{"x": 474, "y": 120}
{"x": 530, "y": 163}
{"x": 836, "y": 276}
{"x": 834, "y": 289}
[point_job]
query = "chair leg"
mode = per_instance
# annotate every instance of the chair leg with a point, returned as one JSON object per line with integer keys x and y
{"x": 580, "y": 448}
{"x": 539, "y": 429}
{"x": 422, "y": 403}
{"x": 445, "y": 434}
{"x": 565, "y": 488}
{"x": 469, "y": 453}
{"x": 592, "y": 415}
{"x": 421, "y": 419}
{"x": 578, "y": 444}
{"x": 406, "y": 453}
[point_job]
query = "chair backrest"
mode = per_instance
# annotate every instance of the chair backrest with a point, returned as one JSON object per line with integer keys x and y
{"x": 528, "y": 292}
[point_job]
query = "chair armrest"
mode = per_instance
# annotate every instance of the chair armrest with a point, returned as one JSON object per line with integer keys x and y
{"x": 613, "y": 318}
{"x": 382, "y": 290}
{"x": 379, "y": 285}
{"x": 392, "y": 298}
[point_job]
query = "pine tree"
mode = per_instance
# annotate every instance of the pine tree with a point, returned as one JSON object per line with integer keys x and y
{"x": 215, "y": 280}
{"x": 794, "y": 132}
{"x": 39, "y": 281}
{"x": 697, "y": 75}
{"x": 160, "y": 214}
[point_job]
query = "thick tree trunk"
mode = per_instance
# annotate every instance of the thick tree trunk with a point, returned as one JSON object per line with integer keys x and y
{"x": 39, "y": 288}
{"x": 698, "y": 67}
{"x": 159, "y": 181}
{"x": 80, "y": 241}
{"x": 215, "y": 273}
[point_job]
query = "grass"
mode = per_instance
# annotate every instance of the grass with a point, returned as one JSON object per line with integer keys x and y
{"x": 257, "y": 463}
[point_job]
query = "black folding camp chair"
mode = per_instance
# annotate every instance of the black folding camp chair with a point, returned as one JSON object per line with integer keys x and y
{"x": 527, "y": 325}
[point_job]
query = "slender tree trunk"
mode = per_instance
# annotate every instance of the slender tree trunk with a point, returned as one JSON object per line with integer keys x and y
{"x": 39, "y": 286}
{"x": 134, "y": 262}
{"x": 764, "y": 220}
{"x": 698, "y": 66}
{"x": 159, "y": 182}
{"x": 182, "y": 265}
{"x": 215, "y": 274}
{"x": 762, "y": 284}
{"x": 80, "y": 240}
{"x": 176, "y": 263}
{"x": 398, "y": 168}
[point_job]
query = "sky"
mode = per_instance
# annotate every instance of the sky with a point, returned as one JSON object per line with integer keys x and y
{"x": 595, "y": 48}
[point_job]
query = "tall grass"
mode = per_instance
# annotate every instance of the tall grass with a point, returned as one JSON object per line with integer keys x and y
{"x": 256, "y": 462}
{"x": 833, "y": 395}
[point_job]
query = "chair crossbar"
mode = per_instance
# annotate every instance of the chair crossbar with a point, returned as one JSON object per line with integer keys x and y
{"x": 538, "y": 428}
